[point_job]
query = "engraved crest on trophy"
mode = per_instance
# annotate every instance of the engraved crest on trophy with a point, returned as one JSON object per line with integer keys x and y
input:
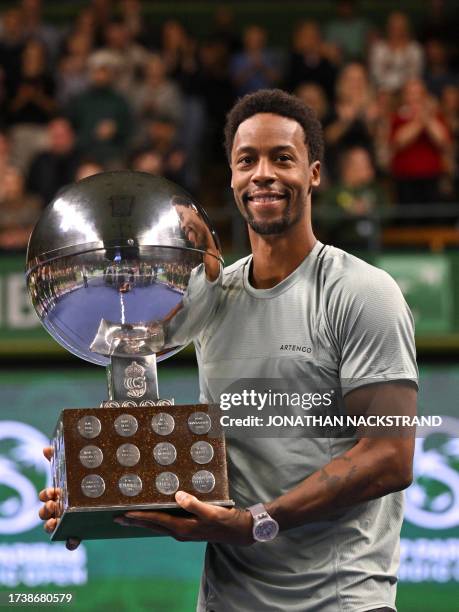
{"x": 134, "y": 380}
{"x": 124, "y": 269}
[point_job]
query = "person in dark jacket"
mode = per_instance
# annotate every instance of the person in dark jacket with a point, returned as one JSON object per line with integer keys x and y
{"x": 56, "y": 166}
{"x": 101, "y": 116}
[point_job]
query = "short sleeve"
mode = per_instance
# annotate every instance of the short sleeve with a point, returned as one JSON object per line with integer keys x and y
{"x": 374, "y": 329}
{"x": 204, "y": 392}
{"x": 197, "y": 307}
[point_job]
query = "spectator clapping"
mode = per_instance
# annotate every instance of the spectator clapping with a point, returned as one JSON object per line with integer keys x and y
{"x": 112, "y": 89}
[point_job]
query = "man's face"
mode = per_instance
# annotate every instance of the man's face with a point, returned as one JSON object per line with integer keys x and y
{"x": 414, "y": 92}
{"x": 102, "y": 76}
{"x": 192, "y": 226}
{"x": 357, "y": 168}
{"x": 271, "y": 174}
{"x": 61, "y": 137}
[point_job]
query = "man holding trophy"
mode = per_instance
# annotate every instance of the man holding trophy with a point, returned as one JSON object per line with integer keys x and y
{"x": 317, "y": 519}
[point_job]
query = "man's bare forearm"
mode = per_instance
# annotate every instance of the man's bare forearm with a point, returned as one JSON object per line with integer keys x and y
{"x": 371, "y": 469}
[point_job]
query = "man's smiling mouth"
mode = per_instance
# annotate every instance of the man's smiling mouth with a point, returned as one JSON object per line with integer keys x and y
{"x": 265, "y": 197}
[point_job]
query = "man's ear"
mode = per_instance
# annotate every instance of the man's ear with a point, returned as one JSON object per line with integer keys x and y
{"x": 315, "y": 173}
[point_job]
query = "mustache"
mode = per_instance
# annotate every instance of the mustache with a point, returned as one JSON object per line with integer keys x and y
{"x": 247, "y": 195}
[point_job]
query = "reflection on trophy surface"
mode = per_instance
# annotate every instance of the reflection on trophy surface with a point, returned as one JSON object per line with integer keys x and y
{"x": 124, "y": 269}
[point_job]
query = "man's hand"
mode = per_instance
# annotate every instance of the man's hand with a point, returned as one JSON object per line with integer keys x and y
{"x": 208, "y": 523}
{"x": 48, "y": 511}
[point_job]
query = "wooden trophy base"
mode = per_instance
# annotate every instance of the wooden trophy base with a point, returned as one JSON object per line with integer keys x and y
{"x": 111, "y": 460}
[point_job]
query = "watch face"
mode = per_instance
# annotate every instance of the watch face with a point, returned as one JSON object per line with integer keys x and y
{"x": 265, "y": 530}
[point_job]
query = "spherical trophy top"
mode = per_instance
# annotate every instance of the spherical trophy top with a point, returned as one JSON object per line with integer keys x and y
{"x": 123, "y": 263}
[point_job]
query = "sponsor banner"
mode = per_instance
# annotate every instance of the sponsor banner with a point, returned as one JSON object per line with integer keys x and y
{"x": 20, "y": 329}
{"x": 31, "y": 403}
{"x": 426, "y": 281}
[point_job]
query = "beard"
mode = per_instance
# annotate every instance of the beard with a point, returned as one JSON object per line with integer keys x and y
{"x": 272, "y": 228}
{"x": 200, "y": 243}
{"x": 199, "y": 240}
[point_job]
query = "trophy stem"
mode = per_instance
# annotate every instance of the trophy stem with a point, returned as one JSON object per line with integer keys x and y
{"x": 132, "y": 378}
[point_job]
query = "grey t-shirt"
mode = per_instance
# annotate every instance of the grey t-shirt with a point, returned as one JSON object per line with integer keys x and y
{"x": 335, "y": 322}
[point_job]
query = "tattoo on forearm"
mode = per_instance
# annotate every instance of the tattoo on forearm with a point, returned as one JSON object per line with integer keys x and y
{"x": 334, "y": 482}
{"x": 331, "y": 481}
{"x": 350, "y": 474}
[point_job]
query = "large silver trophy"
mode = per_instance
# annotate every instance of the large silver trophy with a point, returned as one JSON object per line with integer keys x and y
{"x": 124, "y": 269}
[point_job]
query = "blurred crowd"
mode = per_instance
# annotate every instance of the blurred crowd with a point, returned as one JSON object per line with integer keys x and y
{"x": 112, "y": 90}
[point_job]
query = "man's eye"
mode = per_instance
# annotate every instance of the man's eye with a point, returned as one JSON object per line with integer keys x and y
{"x": 245, "y": 160}
{"x": 284, "y": 158}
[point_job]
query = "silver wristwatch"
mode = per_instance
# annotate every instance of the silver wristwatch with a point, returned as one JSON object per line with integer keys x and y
{"x": 265, "y": 528}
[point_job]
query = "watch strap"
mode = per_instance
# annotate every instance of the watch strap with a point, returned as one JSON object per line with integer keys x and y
{"x": 257, "y": 511}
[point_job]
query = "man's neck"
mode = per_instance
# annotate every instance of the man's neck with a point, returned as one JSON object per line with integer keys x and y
{"x": 276, "y": 257}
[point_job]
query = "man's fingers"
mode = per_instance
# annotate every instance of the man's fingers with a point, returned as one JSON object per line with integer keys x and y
{"x": 190, "y": 503}
{"x": 143, "y": 524}
{"x": 47, "y": 511}
{"x": 48, "y": 452}
{"x": 160, "y": 520}
{"x": 48, "y": 494}
{"x": 50, "y": 525}
{"x": 72, "y": 543}
{"x": 175, "y": 526}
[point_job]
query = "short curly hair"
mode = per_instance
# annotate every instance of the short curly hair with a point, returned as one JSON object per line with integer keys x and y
{"x": 281, "y": 103}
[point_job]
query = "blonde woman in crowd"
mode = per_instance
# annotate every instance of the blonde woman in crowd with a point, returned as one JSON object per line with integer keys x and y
{"x": 397, "y": 57}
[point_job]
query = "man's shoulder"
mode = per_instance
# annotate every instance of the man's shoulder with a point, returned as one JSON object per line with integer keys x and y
{"x": 236, "y": 267}
{"x": 352, "y": 275}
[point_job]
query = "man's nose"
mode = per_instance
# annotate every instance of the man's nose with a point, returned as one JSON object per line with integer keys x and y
{"x": 263, "y": 171}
